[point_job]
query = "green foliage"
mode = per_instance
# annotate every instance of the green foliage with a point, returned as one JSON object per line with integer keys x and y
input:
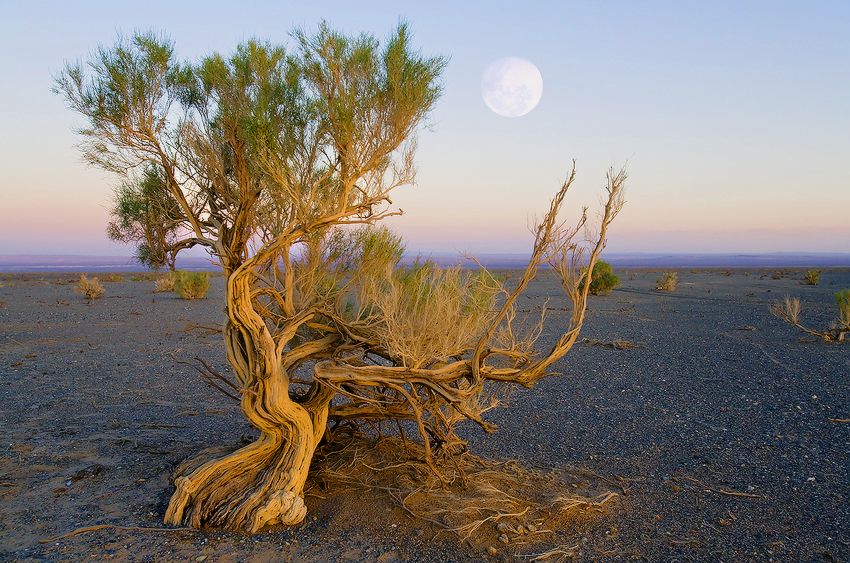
{"x": 113, "y": 278}
{"x": 191, "y": 285}
{"x": 603, "y": 279}
{"x": 145, "y": 213}
{"x": 842, "y": 299}
{"x": 249, "y": 144}
{"x": 812, "y": 277}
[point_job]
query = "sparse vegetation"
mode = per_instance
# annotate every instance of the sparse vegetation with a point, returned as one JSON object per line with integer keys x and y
{"x": 789, "y": 311}
{"x": 603, "y": 279}
{"x": 165, "y": 283}
{"x": 113, "y": 278}
{"x": 191, "y": 285}
{"x": 91, "y": 288}
{"x": 812, "y": 277}
{"x": 667, "y": 282}
{"x": 282, "y": 162}
{"x": 842, "y": 299}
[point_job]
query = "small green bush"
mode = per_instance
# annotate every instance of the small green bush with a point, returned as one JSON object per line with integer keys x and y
{"x": 842, "y": 299}
{"x": 191, "y": 285}
{"x": 602, "y": 280}
{"x": 812, "y": 277}
{"x": 113, "y": 278}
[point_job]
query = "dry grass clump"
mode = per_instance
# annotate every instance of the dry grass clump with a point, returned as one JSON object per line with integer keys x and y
{"x": 789, "y": 311}
{"x": 811, "y": 277}
{"x": 429, "y": 314}
{"x": 165, "y": 283}
{"x": 485, "y": 502}
{"x": 113, "y": 278}
{"x": 667, "y": 282}
{"x": 91, "y": 288}
{"x": 191, "y": 285}
{"x": 842, "y": 299}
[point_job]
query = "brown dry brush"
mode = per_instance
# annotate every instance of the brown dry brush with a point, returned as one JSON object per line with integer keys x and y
{"x": 90, "y": 288}
{"x": 282, "y": 164}
{"x": 789, "y": 311}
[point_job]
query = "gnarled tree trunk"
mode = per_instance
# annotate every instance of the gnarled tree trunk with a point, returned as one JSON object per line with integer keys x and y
{"x": 262, "y": 483}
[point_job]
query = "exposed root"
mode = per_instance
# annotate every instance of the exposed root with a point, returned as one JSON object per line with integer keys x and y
{"x": 481, "y": 501}
{"x": 98, "y": 527}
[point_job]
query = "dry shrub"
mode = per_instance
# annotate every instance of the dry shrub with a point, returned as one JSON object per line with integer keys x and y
{"x": 165, "y": 283}
{"x": 811, "y": 277}
{"x": 667, "y": 282}
{"x": 842, "y": 299}
{"x": 113, "y": 278}
{"x": 91, "y": 288}
{"x": 428, "y": 313}
{"x": 481, "y": 501}
{"x": 191, "y": 285}
{"x": 789, "y": 311}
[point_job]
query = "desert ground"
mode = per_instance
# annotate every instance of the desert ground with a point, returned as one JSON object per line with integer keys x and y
{"x": 723, "y": 433}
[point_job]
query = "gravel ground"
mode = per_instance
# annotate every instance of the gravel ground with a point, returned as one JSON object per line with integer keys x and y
{"x": 720, "y": 428}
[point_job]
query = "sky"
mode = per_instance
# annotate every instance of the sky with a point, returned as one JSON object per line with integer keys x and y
{"x": 733, "y": 118}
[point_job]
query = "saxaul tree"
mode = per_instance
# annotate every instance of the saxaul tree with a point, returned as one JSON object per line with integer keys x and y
{"x": 147, "y": 215}
{"x": 281, "y": 162}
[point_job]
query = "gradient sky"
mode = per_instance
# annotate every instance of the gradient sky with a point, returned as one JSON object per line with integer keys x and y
{"x": 734, "y": 117}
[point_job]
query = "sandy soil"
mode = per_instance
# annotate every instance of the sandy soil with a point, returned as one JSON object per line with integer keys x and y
{"x": 721, "y": 428}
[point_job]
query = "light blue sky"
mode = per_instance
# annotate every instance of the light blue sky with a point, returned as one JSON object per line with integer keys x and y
{"x": 734, "y": 117}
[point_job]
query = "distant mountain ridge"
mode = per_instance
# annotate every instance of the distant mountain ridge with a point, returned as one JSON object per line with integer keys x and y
{"x": 84, "y": 263}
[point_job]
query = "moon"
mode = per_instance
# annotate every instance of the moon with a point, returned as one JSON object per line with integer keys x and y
{"x": 511, "y": 86}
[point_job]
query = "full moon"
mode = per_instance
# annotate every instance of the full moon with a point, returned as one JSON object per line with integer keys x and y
{"x": 512, "y": 86}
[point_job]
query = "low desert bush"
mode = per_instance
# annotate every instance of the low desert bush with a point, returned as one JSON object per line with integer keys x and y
{"x": 811, "y": 277}
{"x": 667, "y": 282}
{"x": 842, "y": 299}
{"x": 191, "y": 285}
{"x": 165, "y": 283}
{"x": 91, "y": 288}
{"x": 113, "y": 278}
{"x": 789, "y": 311}
{"x": 603, "y": 279}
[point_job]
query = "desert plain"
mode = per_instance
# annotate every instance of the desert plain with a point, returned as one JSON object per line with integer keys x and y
{"x": 723, "y": 432}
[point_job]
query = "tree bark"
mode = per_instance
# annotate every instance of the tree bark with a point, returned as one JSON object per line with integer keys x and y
{"x": 262, "y": 483}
